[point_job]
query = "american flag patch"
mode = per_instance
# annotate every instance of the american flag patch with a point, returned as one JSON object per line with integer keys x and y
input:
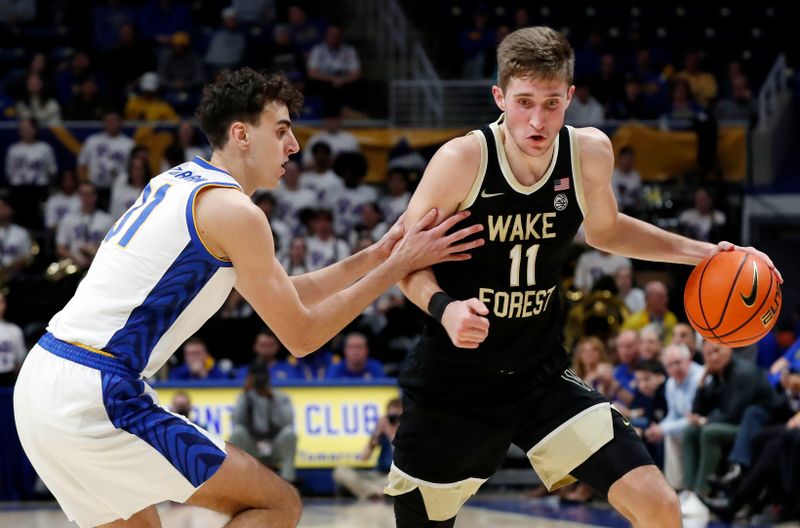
{"x": 562, "y": 184}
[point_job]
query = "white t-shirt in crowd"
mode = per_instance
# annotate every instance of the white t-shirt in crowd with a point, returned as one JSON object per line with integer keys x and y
{"x": 15, "y": 243}
{"x": 593, "y": 264}
{"x": 30, "y": 164}
{"x": 78, "y": 229}
{"x": 106, "y": 157}
{"x": 57, "y": 207}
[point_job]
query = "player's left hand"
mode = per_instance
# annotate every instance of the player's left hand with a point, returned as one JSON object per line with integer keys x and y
{"x": 727, "y": 246}
{"x": 384, "y": 246}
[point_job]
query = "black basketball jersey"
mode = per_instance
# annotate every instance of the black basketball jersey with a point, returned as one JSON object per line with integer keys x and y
{"x": 528, "y": 232}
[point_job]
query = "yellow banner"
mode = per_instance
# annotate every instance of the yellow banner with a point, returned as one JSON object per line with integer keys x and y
{"x": 333, "y": 424}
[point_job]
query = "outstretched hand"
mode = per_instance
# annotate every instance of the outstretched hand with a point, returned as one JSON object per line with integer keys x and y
{"x": 727, "y": 246}
{"x": 384, "y": 246}
{"x": 423, "y": 246}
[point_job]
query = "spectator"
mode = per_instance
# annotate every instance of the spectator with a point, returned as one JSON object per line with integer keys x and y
{"x": 587, "y": 363}
{"x": 291, "y": 198}
{"x": 263, "y": 423}
{"x": 160, "y": 19}
{"x": 683, "y": 334}
{"x": 37, "y": 104}
{"x": 608, "y": 86}
{"x": 656, "y": 301}
{"x": 371, "y": 227}
{"x": 129, "y": 186}
{"x": 395, "y": 202}
{"x": 632, "y": 296}
{"x": 357, "y": 363}
{"x": 627, "y": 183}
{"x": 634, "y": 103}
{"x": 30, "y": 166}
{"x": 368, "y": 484}
{"x": 584, "y": 110}
{"x": 104, "y": 155}
{"x": 739, "y": 105}
{"x": 61, "y": 203}
{"x": 593, "y": 264}
{"x": 87, "y": 104}
{"x": 180, "y": 71}
{"x": 347, "y": 202}
{"x": 12, "y": 345}
{"x": 107, "y": 19}
{"x": 198, "y": 364}
{"x": 702, "y": 222}
{"x": 181, "y": 405}
{"x": 295, "y": 261}
{"x": 305, "y": 33}
{"x": 185, "y": 146}
{"x": 731, "y": 384}
{"x": 334, "y": 67}
{"x": 15, "y": 243}
{"x": 650, "y": 342}
{"x": 80, "y": 233}
{"x": 682, "y": 105}
{"x": 127, "y": 61}
{"x": 628, "y": 353}
{"x": 324, "y": 248}
{"x": 649, "y": 405}
{"x": 286, "y": 56}
{"x": 473, "y": 42}
{"x": 227, "y": 46}
{"x": 281, "y": 232}
{"x": 702, "y": 84}
{"x": 652, "y": 80}
{"x": 148, "y": 106}
{"x": 334, "y": 137}
{"x": 684, "y": 378}
{"x": 320, "y": 178}
{"x": 70, "y": 78}
{"x": 266, "y": 349}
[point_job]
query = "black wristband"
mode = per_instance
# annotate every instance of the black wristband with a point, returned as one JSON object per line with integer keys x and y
{"x": 438, "y": 303}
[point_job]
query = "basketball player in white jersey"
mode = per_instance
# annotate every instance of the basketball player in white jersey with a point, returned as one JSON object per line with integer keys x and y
{"x": 90, "y": 425}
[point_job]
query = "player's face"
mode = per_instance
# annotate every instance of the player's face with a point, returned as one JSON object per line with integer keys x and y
{"x": 534, "y": 111}
{"x": 271, "y": 144}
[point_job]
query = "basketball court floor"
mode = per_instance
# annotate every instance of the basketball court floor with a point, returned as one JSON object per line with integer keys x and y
{"x": 490, "y": 511}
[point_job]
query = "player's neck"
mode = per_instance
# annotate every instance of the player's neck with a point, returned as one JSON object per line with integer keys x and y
{"x": 235, "y": 167}
{"x": 527, "y": 169}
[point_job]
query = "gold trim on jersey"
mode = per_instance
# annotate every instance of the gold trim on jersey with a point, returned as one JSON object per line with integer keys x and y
{"x": 571, "y": 444}
{"x": 92, "y": 349}
{"x": 442, "y": 501}
{"x": 577, "y": 175}
{"x": 505, "y": 168}
{"x": 472, "y": 195}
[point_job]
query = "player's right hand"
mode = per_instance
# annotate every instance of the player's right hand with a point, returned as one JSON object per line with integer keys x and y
{"x": 423, "y": 246}
{"x": 466, "y": 322}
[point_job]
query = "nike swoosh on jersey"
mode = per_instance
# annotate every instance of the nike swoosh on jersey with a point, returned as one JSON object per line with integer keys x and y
{"x": 484, "y": 194}
{"x": 751, "y": 299}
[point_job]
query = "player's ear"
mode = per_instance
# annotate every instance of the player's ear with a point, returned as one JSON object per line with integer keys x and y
{"x": 238, "y": 134}
{"x": 570, "y": 92}
{"x": 499, "y": 99}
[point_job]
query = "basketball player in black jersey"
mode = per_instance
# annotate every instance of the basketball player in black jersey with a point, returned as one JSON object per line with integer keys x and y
{"x": 490, "y": 370}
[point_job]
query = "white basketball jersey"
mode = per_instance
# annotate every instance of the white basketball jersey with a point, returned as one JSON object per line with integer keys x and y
{"x": 153, "y": 283}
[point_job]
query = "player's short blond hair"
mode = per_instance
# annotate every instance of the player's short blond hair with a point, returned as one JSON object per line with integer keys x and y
{"x": 537, "y": 52}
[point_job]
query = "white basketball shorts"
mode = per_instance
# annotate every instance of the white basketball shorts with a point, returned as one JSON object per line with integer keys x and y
{"x": 98, "y": 438}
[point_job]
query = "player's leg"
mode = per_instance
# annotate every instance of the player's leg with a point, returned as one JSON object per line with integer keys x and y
{"x": 410, "y": 512}
{"x": 623, "y": 470}
{"x": 249, "y": 492}
{"x": 147, "y": 518}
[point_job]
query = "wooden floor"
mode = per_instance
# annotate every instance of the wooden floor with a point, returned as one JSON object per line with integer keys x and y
{"x": 329, "y": 514}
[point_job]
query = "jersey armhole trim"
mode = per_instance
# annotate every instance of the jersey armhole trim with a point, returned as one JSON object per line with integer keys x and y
{"x": 191, "y": 222}
{"x": 577, "y": 176}
{"x": 472, "y": 195}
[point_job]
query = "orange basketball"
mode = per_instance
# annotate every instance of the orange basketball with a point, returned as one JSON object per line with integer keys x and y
{"x": 732, "y": 298}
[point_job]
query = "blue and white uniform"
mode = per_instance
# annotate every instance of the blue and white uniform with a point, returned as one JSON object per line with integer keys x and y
{"x": 91, "y": 426}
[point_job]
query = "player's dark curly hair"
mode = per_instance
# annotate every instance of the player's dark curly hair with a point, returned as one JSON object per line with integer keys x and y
{"x": 241, "y": 95}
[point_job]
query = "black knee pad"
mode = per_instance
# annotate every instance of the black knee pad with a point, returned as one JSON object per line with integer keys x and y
{"x": 409, "y": 512}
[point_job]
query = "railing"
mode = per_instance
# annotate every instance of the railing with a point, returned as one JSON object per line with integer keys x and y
{"x": 419, "y": 103}
{"x": 769, "y": 96}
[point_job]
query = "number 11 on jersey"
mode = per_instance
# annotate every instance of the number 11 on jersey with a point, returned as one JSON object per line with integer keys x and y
{"x": 158, "y": 197}
{"x": 516, "y": 260}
